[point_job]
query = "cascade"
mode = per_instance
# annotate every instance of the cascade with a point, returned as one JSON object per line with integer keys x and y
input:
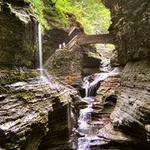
{"x": 85, "y": 121}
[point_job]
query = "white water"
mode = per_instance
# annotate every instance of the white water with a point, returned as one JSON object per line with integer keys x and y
{"x": 85, "y": 126}
{"x": 89, "y": 86}
{"x": 40, "y": 51}
{"x": 87, "y": 83}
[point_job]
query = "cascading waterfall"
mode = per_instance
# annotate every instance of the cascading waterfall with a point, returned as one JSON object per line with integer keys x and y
{"x": 40, "y": 51}
{"x": 85, "y": 126}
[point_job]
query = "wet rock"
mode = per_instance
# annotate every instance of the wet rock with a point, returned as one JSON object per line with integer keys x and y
{"x": 27, "y": 109}
{"x": 130, "y": 117}
{"x": 91, "y": 61}
{"x": 18, "y": 35}
{"x": 2, "y": 138}
{"x": 52, "y": 39}
{"x": 131, "y": 38}
{"x": 60, "y": 125}
{"x": 66, "y": 64}
{"x": 147, "y": 128}
{"x": 110, "y": 134}
{"x": 108, "y": 89}
{"x": 114, "y": 59}
{"x": 132, "y": 108}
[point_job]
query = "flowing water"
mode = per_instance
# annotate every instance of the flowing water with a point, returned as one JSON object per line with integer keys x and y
{"x": 87, "y": 127}
{"x": 86, "y": 130}
{"x": 44, "y": 75}
{"x": 40, "y": 50}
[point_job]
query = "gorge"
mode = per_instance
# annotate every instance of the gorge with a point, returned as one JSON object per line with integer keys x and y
{"x": 86, "y": 94}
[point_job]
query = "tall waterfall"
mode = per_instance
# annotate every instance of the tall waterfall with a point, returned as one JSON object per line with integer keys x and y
{"x": 40, "y": 50}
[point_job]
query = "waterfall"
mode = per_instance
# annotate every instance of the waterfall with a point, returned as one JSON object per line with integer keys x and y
{"x": 85, "y": 115}
{"x": 40, "y": 50}
{"x": 89, "y": 86}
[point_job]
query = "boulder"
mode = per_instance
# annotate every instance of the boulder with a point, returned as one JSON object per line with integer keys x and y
{"x": 71, "y": 64}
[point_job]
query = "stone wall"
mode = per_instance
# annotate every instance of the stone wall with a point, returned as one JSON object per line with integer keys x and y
{"x": 51, "y": 41}
{"x": 132, "y": 111}
{"x": 72, "y": 64}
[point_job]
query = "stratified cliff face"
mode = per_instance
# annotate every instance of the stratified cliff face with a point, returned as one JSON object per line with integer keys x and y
{"x": 132, "y": 113}
{"x": 32, "y": 110}
{"x": 130, "y": 120}
{"x": 130, "y": 27}
{"x": 17, "y": 35}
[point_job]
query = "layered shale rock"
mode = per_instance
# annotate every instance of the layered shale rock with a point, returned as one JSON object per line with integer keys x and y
{"x": 133, "y": 107}
{"x": 52, "y": 39}
{"x": 30, "y": 108}
{"x": 130, "y": 119}
{"x": 109, "y": 88}
{"x": 66, "y": 64}
{"x": 131, "y": 114}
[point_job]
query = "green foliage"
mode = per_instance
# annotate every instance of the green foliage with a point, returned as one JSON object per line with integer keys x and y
{"x": 96, "y": 17}
{"x": 37, "y": 8}
{"x": 90, "y": 13}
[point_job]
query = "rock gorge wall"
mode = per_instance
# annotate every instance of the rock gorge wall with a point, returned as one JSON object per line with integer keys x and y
{"x": 32, "y": 110}
{"x": 131, "y": 29}
{"x": 17, "y": 35}
{"x": 72, "y": 64}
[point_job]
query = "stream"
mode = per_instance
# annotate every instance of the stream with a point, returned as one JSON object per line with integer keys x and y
{"x": 88, "y": 127}
{"x": 90, "y": 120}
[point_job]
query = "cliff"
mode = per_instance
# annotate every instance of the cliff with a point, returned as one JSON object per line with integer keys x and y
{"x": 18, "y": 31}
{"x": 130, "y": 119}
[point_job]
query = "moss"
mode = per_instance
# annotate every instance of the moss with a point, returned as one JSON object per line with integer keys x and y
{"x": 37, "y": 9}
{"x": 25, "y": 95}
{"x": 64, "y": 13}
{"x": 12, "y": 76}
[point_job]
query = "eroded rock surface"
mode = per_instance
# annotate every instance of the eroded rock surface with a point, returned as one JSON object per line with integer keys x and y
{"x": 70, "y": 64}
{"x": 131, "y": 114}
{"x": 30, "y": 109}
{"x": 130, "y": 28}
{"x": 130, "y": 118}
{"x": 17, "y": 35}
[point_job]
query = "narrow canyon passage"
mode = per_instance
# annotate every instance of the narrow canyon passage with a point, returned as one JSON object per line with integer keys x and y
{"x": 74, "y": 75}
